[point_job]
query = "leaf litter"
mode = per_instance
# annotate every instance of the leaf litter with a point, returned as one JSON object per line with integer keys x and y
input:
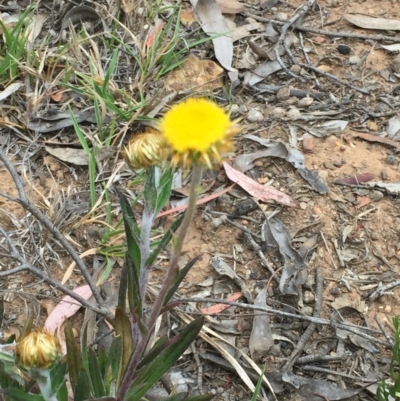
{"x": 344, "y": 122}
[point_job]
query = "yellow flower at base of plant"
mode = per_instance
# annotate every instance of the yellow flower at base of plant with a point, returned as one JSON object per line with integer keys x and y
{"x": 197, "y": 131}
{"x": 38, "y": 349}
{"x": 145, "y": 150}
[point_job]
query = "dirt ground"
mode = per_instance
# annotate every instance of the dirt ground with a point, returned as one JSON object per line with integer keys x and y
{"x": 356, "y": 227}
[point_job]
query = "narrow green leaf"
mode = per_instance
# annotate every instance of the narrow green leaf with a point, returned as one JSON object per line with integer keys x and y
{"x": 123, "y": 329}
{"x": 74, "y": 358}
{"x": 152, "y": 354}
{"x": 123, "y": 286}
{"x": 176, "y": 347}
{"x": 97, "y": 380}
{"x": 113, "y": 362}
{"x": 20, "y": 395}
{"x": 62, "y": 394}
{"x": 132, "y": 231}
{"x": 181, "y": 276}
{"x": 164, "y": 240}
{"x": 57, "y": 375}
{"x": 134, "y": 299}
{"x": 82, "y": 388}
{"x": 258, "y": 386}
{"x": 164, "y": 189}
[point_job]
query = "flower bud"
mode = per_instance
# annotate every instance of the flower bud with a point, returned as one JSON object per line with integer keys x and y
{"x": 145, "y": 150}
{"x": 38, "y": 349}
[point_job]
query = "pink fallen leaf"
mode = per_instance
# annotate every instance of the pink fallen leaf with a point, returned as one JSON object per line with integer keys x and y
{"x": 257, "y": 190}
{"x": 65, "y": 309}
{"x": 218, "y": 308}
{"x": 355, "y": 179}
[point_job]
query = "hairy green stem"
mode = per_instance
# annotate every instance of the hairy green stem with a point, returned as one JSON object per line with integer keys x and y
{"x": 171, "y": 275}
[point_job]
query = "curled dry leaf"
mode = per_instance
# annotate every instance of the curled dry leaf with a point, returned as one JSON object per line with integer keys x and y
{"x": 366, "y": 22}
{"x": 257, "y": 190}
{"x": 218, "y": 308}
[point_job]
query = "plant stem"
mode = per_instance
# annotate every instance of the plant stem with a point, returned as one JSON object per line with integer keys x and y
{"x": 172, "y": 272}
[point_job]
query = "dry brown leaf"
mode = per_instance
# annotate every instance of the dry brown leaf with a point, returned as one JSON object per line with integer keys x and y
{"x": 375, "y": 138}
{"x": 195, "y": 74}
{"x": 362, "y": 201}
{"x": 69, "y": 155}
{"x": 366, "y": 22}
{"x": 230, "y": 6}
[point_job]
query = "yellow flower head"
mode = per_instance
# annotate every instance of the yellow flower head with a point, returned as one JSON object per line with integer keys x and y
{"x": 197, "y": 131}
{"x": 38, "y": 349}
{"x": 145, "y": 150}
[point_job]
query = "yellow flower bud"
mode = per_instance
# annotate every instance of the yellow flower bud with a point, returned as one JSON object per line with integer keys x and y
{"x": 145, "y": 150}
{"x": 38, "y": 349}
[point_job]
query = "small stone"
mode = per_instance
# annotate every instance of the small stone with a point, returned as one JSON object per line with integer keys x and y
{"x": 308, "y": 297}
{"x": 344, "y": 49}
{"x": 337, "y": 163}
{"x": 329, "y": 165}
{"x": 373, "y": 126}
{"x": 278, "y": 112}
{"x": 295, "y": 68}
{"x": 283, "y": 94}
{"x": 303, "y": 205}
{"x": 388, "y": 309}
{"x": 374, "y": 236}
{"x": 281, "y": 16}
{"x": 234, "y": 110}
{"x": 376, "y": 195}
{"x": 220, "y": 390}
{"x": 293, "y": 114}
{"x": 355, "y": 60}
{"x": 308, "y": 144}
{"x": 305, "y": 102}
{"x": 308, "y": 310}
{"x": 243, "y": 109}
{"x": 216, "y": 222}
{"x": 335, "y": 291}
{"x": 254, "y": 116}
{"x": 391, "y": 159}
{"x": 384, "y": 174}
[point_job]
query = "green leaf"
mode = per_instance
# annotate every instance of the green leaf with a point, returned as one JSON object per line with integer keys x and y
{"x": 258, "y": 386}
{"x": 164, "y": 240}
{"x": 85, "y": 357}
{"x": 134, "y": 292}
{"x": 153, "y": 371}
{"x": 57, "y": 375}
{"x": 94, "y": 371}
{"x": 20, "y": 395}
{"x": 123, "y": 329}
{"x": 82, "y": 389}
{"x": 157, "y": 189}
{"x": 113, "y": 362}
{"x": 132, "y": 231}
{"x": 151, "y": 355}
{"x": 62, "y": 394}
{"x": 123, "y": 286}
{"x": 181, "y": 276}
{"x": 74, "y": 358}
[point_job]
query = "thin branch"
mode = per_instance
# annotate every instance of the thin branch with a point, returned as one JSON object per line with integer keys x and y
{"x": 25, "y": 265}
{"x": 327, "y": 33}
{"x": 24, "y": 201}
{"x": 349, "y": 327}
{"x": 311, "y": 327}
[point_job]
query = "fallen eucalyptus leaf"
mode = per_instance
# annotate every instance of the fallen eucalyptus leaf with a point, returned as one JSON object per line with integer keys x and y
{"x": 70, "y": 155}
{"x": 366, "y": 22}
{"x": 10, "y": 90}
{"x": 261, "y": 192}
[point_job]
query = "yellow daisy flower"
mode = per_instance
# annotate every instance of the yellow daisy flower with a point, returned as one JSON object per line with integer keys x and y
{"x": 145, "y": 150}
{"x": 197, "y": 131}
{"x": 38, "y": 349}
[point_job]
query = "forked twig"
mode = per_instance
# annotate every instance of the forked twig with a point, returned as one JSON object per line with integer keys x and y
{"x": 24, "y": 201}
